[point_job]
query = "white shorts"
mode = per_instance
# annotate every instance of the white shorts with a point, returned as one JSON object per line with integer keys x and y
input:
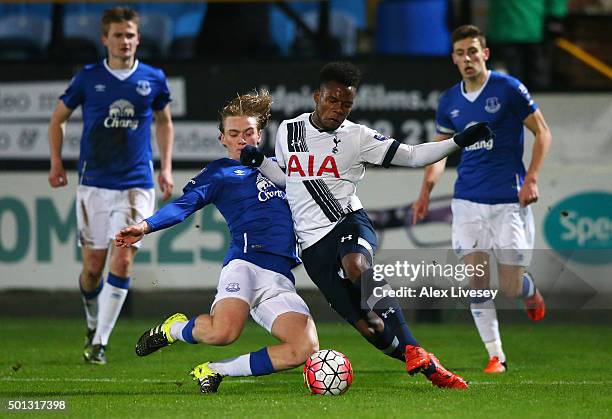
{"x": 268, "y": 293}
{"x": 506, "y": 229}
{"x": 101, "y": 213}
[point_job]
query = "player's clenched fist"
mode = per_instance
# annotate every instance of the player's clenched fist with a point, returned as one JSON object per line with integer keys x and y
{"x": 477, "y": 132}
{"x": 131, "y": 234}
{"x": 251, "y": 156}
{"x": 57, "y": 177}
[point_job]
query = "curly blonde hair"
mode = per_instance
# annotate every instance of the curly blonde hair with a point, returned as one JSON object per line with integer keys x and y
{"x": 256, "y": 104}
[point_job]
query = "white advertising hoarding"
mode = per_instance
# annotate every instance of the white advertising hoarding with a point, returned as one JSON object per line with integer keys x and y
{"x": 38, "y": 228}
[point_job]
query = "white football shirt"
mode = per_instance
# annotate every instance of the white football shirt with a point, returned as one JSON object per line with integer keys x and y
{"x": 323, "y": 170}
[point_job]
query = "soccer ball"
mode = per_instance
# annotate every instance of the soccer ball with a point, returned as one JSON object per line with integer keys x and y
{"x": 328, "y": 372}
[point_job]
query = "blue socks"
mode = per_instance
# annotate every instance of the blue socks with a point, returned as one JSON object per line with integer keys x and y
{"x": 529, "y": 288}
{"x": 187, "y": 332}
{"x": 260, "y": 362}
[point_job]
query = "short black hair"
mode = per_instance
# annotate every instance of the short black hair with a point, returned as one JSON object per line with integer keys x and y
{"x": 468, "y": 31}
{"x": 341, "y": 72}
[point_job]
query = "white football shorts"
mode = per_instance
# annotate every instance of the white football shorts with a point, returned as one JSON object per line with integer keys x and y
{"x": 268, "y": 293}
{"x": 505, "y": 229}
{"x": 101, "y": 213}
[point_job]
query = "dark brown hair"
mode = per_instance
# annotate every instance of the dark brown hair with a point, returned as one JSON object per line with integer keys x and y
{"x": 118, "y": 15}
{"x": 256, "y": 104}
{"x": 468, "y": 31}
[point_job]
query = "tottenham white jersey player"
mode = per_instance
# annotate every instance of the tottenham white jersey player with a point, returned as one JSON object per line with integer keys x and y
{"x": 323, "y": 172}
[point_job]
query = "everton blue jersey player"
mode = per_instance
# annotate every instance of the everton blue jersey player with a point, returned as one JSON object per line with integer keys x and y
{"x": 256, "y": 212}
{"x": 492, "y": 171}
{"x": 493, "y": 191}
{"x": 120, "y": 97}
{"x": 117, "y": 115}
{"x": 256, "y": 278}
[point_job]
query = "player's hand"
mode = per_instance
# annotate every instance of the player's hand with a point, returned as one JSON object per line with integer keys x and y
{"x": 420, "y": 209}
{"x": 529, "y": 192}
{"x": 166, "y": 184}
{"x": 57, "y": 176}
{"x": 251, "y": 156}
{"x": 131, "y": 234}
{"x": 477, "y": 132}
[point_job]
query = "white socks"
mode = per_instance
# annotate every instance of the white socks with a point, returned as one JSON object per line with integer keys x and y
{"x": 234, "y": 367}
{"x": 485, "y": 318}
{"x": 176, "y": 331}
{"x": 111, "y": 300}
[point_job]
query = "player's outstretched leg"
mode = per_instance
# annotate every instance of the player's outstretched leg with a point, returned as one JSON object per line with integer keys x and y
{"x": 208, "y": 379}
{"x": 159, "y": 336}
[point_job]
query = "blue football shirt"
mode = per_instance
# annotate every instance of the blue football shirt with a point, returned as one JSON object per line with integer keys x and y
{"x": 116, "y": 148}
{"x": 256, "y": 212}
{"x": 490, "y": 172}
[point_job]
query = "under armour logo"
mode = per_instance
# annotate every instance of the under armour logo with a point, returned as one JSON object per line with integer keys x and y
{"x": 336, "y": 142}
{"x": 390, "y": 311}
{"x": 345, "y": 238}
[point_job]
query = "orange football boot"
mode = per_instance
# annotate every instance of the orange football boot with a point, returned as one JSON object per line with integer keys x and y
{"x": 417, "y": 359}
{"x": 495, "y": 367}
{"x": 535, "y": 306}
{"x": 443, "y": 378}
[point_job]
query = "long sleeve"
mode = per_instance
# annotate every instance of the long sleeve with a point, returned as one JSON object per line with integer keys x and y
{"x": 270, "y": 169}
{"x": 176, "y": 211}
{"x": 423, "y": 154}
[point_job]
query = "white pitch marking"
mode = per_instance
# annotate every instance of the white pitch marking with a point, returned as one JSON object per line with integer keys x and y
{"x": 252, "y": 380}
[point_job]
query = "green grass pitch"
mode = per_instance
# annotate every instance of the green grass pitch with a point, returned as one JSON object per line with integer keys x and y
{"x": 554, "y": 371}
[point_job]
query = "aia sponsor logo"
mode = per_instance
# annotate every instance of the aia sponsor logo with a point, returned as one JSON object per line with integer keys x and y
{"x": 312, "y": 167}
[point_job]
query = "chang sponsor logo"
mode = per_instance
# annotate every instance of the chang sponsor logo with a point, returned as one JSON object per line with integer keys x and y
{"x": 580, "y": 227}
{"x": 121, "y": 115}
{"x": 480, "y": 145}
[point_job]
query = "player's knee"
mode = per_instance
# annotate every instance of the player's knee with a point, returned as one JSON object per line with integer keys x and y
{"x": 122, "y": 264}
{"x": 364, "y": 329}
{"x": 299, "y": 352}
{"x": 375, "y": 323}
{"x": 354, "y": 265}
{"x": 92, "y": 273}
{"x": 223, "y": 336}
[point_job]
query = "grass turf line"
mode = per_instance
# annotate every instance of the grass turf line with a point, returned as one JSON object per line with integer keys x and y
{"x": 554, "y": 370}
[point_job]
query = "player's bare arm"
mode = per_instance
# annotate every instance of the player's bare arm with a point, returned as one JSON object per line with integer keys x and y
{"x": 537, "y": 125}
{"x": 164, "y": 130}
{"x": 131, "y": 234}
{"x": 57, "y": 129}
{"x": 433, "y": 172}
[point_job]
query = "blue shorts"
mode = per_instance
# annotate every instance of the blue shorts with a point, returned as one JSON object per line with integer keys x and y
{"x": 322, "y": 260}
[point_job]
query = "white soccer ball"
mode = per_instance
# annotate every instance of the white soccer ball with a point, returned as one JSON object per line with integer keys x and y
{"x": 328, "y": 372}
